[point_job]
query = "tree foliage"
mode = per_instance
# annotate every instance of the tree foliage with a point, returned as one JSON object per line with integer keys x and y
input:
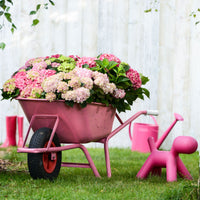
{"x": 5, "y": 14}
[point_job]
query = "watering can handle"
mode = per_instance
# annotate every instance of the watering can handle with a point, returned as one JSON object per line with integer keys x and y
{"x": 154, "y": 119}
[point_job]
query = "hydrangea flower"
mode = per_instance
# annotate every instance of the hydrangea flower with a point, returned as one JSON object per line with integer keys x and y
{"x": 40, "y": 65}
{"x": 78, "y": 95}
{"x": 86, "y": 60}
{"x": 110, "y": 57}
{"x": 119, "y": 93}
{"x": 83, "y": 72}
{"x": 62, "y": 86}
{"x": 51, "y": 96}
{"x": 36, "y": 92}
{"x": 134, "y": 76}
{"x": 34, "y": 60}
{"x": 9, "y": 86}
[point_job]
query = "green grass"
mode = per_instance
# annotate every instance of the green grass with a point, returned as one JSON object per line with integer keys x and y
{"x": 80, "y": 183}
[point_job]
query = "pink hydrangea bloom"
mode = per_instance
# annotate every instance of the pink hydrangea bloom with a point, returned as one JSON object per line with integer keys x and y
{"x": 82, "y": 94}
{"x": 134, "y": 76}
{"x": 109, "y": 88}
{"x": 26, "y": 92}
{"x": 21, "y": 80}
{"x": 62, "y": 86}
{"x": 75, "y": 57}
{"x": 69, "y": 95}
{"x": 50, "y": 96}
{"x": 40, "y": 65}
{"x": 50, "y": 84}
{"x": 100, "y": 79}
{"x": 86, "y": 60}
{"x": 9, "y": 86}
{"x": 83, "y": 72}
{"x": 78, "y": 95}
{"x": 119, "y": 93}
{"x": 75, "y": 82}
{"x": 110, "y": 57}
{"x": 88, "y": 83}
{"x": 55, "y": 56}
{"x": 47, "y": 72}
{"x": 34, "y": 60}
{"x": 54, "y": 64}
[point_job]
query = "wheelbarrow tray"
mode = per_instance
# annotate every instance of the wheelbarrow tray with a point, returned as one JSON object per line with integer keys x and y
{"x": 76, "y": 124}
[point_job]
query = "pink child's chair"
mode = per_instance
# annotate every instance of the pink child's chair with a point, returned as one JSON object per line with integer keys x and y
{"x": 169, "y": 159}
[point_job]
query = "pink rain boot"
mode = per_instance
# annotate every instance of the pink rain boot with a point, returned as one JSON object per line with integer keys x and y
{"x": 20, "y": 131}
{"x": 10, "y": 132}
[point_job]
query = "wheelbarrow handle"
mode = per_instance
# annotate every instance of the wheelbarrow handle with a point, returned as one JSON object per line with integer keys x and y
{"x": 152, "y": 112}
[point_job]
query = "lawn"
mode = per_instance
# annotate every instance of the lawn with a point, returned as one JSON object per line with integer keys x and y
{"x": 80, "y": 183}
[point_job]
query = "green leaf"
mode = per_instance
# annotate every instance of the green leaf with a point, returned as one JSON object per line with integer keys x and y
{"x": 112, "y": 64}
{"x": 46, "y": 5}
{"x": 1, "y": 13}
{"x": 2, "y": 45}
{"x": 13, "y": 28}
{"x": 122, "y": 79}
{"x": 10, "y": 1}
{"x": 197, "y": 22}
{"x": 83, "y": 105}
{"x": 52, "y": 3}
{"x": 70, "y": 103}
{"x": 35, "y": 22}
{"x": 85, "y": 66}
{"x": 7, "y": 9}
{"x": 38, "y": 7}
{"x": 105, "y": 62}
{"x": 33, "y": 12}
{"x": 144, "y": 79}
{"x": 125, "y": 66}
{"x": 8, "y": 17}
{"x": 99, "y": 62}
{"x": 148, "y": 10}
{"x": 146, "y": 92}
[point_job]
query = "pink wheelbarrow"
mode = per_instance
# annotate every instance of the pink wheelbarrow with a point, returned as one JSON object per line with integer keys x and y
{"x": 54, "y": 123}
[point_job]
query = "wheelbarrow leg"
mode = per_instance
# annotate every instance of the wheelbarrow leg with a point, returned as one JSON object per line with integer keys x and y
{"x": 107, "y": 158}
{"x": 91, "y": 163}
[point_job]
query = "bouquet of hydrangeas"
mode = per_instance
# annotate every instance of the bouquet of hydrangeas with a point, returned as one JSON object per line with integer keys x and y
{"x": 103, "y": 79}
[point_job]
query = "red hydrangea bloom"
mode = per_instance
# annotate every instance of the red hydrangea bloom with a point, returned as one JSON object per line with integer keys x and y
{"x": 110, "y": 57}
{"x": 134, "y": 76}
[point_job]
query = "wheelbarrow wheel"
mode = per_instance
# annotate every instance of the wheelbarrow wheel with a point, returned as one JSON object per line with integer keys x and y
{"x": 44, "y": 165}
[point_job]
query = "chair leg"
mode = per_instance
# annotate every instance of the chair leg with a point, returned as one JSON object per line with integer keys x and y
{"x": 182, "y": 170}
{"x": 146, "y": 168}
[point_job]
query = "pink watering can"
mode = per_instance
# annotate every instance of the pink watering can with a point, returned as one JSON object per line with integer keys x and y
{"x": 141, "y": 133}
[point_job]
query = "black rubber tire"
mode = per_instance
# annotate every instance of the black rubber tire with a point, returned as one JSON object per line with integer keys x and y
{"x": 35, "y": 160}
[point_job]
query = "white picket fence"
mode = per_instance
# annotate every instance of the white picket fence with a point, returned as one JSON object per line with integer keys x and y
{"x": 162, "y": 45}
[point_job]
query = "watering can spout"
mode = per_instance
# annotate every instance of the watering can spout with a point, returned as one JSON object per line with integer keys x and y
{"x": 178, "y": 117}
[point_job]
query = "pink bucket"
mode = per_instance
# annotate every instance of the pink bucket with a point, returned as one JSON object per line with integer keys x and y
{"x": 141, "y": 133}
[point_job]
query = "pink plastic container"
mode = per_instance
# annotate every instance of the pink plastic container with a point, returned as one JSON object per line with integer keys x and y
{"x": 76, "y": 125}
{"x": 141, "y": 133}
